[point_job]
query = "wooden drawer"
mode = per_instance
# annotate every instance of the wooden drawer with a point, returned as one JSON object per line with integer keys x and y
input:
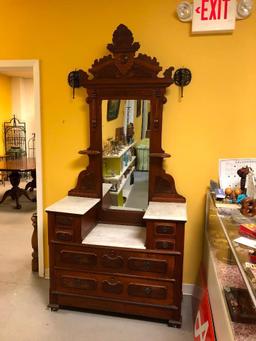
{"x": 70, "y": 227}
{"x": 165, "y": 244}
{"x": 65, "y": 220}
{"x": 66, "y": 235}
{"x": 164, "y": 229}
{"x": 115, "y": 260}
{"x": 116, "y": 286}
{"x": 165, "y": 235}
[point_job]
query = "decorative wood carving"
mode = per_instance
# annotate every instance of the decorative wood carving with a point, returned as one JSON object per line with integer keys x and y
{"x": 79, "y": 283}
{"x": 115, "y": 262}
{"x": 113, "y": 286}
{"x": 139, "y": 290}
{"x": 158, "y": 266}
{"x": 81, "y": 258}
{"x": 125, "y": 74}
{"x": 34, "y": 243}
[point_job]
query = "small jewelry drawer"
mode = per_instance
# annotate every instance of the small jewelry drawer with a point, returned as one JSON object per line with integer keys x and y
{"x": 167, "y": 229}
{"x": 64, "y": 220}
{"x": 64, "y": 235}
{"x": 167, "y": 244}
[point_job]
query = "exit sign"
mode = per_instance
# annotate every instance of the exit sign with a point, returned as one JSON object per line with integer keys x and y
{"x": 214, "y": 16}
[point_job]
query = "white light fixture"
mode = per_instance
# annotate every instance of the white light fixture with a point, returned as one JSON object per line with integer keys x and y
{"x": 185, "y": 11}
{"x": 244, "y": 9}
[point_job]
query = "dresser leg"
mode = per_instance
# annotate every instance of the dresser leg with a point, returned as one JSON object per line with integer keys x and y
{"x": 53, "y": 307}
{"x": 174, "y": 324}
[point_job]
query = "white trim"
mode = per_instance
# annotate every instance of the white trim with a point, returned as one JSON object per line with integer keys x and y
{"x": 188, "y": 289}
{"x": 34, "y": 64}
{"x": 47, "y": 273}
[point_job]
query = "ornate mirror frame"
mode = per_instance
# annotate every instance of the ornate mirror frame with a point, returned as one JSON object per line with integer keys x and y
{"x": 125, "y": 75}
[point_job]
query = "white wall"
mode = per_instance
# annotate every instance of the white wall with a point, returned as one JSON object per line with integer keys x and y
{"x": 23, "y": 104}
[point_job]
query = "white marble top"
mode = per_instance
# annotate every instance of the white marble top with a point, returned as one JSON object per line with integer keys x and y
{"x": 166, "y": 211}
{"x": 117, "y": 235}
{"x": 73, "y": 205}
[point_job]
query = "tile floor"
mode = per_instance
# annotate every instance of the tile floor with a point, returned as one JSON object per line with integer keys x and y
{"x": 23, "y": 297}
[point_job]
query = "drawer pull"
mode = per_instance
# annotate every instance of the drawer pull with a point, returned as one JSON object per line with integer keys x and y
{"x": 114, "y": 287}
{"x": 148, "y": 290}
{"x": 115, "y": 262}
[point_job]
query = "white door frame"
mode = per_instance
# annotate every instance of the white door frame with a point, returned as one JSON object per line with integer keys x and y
{"x": 34, "y": 64}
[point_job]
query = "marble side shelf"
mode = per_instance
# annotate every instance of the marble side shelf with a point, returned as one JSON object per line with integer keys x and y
{"x": 73, "y": 205}
{"x": 117, "y": 235}
{"x": 166, "y": 211}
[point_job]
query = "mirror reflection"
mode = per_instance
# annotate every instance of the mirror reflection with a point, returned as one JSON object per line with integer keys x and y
{"x": 125, "y": 138}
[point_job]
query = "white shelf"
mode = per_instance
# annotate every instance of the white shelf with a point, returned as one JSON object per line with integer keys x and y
{"x": 117, "y": 177}
{"x": 123, "y": 183}
{"x": 121, "y": 152}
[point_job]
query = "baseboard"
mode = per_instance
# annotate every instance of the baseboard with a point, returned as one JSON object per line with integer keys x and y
{"x": 47, "y": 273}
{"x": 188, "y": 289}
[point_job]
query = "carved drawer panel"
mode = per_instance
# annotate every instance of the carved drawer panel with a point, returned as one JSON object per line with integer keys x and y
{"x": 117, "y": 287}
{"x": 77, "y": 282}
{"x": 116, "y": 261}
{"x": 166, "y": 229}
{"x": 64, "y": 220}
{"x": 167, "y": 244}
{"x": 149, "y": 291}
{"x": 77, "y": 258}
{"x": 112, "y": 286}
{"x": 150, "y": 265}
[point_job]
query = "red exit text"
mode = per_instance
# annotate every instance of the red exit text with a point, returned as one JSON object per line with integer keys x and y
{"x": 213, "y": 9}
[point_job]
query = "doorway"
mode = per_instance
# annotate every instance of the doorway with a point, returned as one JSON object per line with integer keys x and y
{"x": 26, "y": 69}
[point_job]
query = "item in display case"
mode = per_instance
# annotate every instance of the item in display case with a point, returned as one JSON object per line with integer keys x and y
{"x": 243, "y": 172}
{"x": 252, "y": 256}
{"x": 240, "y": 305}
{"x": 248, "y": 207}
{"x": 248, "y": 230}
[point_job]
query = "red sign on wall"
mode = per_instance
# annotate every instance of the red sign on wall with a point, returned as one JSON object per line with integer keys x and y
{"x": 214, "y": 16}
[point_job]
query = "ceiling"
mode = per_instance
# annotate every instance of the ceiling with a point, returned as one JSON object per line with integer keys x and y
{"x": 23, "y": 72}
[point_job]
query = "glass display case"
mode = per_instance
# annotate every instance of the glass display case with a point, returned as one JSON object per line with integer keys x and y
{"x": 231, "y": 281}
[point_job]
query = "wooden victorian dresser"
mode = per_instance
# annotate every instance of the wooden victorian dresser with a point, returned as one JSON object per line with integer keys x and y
{"x": 115, "y": 258}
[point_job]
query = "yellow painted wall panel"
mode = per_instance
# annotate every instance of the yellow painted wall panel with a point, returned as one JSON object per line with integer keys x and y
{"x": 215, "y": 119}
{"x": 5, "y": 106}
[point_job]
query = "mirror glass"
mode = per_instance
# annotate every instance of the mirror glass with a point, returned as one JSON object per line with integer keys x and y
{"x": 125, "y": 139}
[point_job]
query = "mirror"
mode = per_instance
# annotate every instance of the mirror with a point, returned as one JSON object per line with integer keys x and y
{"x": 125, "y": 145}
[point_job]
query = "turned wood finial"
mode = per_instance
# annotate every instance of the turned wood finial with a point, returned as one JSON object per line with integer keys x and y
{"x": 123, "y": 41}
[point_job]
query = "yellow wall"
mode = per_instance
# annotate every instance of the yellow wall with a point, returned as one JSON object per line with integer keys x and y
{"x": 5, "y": 107}
{"x": 215, "y": 119}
